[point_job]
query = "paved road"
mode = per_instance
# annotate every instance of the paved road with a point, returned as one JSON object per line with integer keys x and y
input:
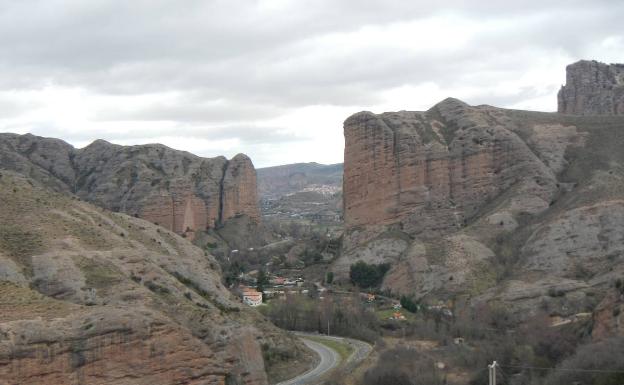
{"x": 329, "y": 359}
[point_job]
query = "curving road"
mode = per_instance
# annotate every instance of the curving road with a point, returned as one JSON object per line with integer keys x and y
{"x": 329, "y": 359}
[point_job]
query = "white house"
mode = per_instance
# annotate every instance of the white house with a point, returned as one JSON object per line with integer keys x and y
{"x": 252, "y": 297}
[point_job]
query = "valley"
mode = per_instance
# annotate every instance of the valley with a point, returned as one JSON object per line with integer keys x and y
{"x": 449, "y": 238}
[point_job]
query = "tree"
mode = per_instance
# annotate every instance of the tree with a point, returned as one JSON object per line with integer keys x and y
{"x": 368, "y": 276}
{"x": 262, "y": 281}
{"x": 330, "y": 277}
{"x": 408, "y": 304}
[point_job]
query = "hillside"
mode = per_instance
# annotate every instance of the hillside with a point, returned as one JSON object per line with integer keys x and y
{"x": 90, "y": 296}
{"x": 275, "y": 182}
{"x": 487, "y": 204}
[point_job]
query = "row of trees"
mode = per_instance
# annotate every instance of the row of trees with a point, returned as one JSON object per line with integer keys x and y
{"x": 344, "y": 316}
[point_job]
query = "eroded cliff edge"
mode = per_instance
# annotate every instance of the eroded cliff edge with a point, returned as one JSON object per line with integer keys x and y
{"x": 177, "y": 190}
{"x": 592, "y": 88}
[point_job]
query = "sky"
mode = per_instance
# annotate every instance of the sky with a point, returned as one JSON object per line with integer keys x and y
{"x": 275, "y": 79}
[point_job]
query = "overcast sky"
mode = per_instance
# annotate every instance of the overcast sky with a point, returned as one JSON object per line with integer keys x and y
{"x": 275, "y": 79}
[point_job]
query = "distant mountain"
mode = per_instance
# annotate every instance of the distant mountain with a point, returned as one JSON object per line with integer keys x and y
{"x": 275, "y": 182}
{"x": 307, "y": 191}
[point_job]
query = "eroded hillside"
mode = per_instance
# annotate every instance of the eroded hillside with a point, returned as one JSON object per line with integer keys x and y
{"x": 88, "y": 296}
{"x": 487, "y": 203}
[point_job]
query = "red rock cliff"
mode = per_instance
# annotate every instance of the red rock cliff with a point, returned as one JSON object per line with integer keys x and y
{"x": 402, "y": 167}
{"x": 239, "y": 189}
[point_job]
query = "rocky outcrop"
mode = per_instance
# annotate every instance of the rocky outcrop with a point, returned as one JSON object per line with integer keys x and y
{"x": 431, "y": 172}
{"x": 608, "y": 318}
{"x": 175, "y": 189}
{"x": 490, "y": 204}
{"x": 239, "y": 189}
{"x": 593, "y": 88}
{"x": 88, "y": 296}
{"x": 117, "y": 346}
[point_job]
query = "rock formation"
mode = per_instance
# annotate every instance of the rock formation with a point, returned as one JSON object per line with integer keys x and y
{"x": 593, "y": 88}
{"x": 88, "y": 296}
{"x": 239, "y": 195}
{"x": 486, "y": 203}
{"x": 431, "y": 172}
{"x": 175, "y": 189}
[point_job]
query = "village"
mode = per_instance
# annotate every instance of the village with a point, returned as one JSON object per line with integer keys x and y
{"x": 257, "y": 288}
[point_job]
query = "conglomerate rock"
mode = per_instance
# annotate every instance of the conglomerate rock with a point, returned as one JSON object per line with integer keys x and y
{"x": 593, "y": 88}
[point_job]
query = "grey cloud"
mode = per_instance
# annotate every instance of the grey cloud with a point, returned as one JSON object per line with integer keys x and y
{"x": 190, "y": 111}
{"x": 11, "y": 108}
{"x": 246, "y": 134}
{"x": 268, "y": 58}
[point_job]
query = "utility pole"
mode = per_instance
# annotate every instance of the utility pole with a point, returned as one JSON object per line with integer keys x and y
{"x": 492, "y": 370}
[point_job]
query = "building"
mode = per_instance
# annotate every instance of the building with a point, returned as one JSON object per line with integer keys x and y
{"x": 397, "y": 316}
{"x": 252, "y": 297}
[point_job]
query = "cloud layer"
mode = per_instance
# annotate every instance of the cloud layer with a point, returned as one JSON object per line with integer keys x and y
{"x": 276, "y": 78}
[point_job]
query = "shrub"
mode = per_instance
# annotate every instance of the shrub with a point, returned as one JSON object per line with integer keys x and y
{"x": 408, "y": 304}
{"x": 156, "y": 288}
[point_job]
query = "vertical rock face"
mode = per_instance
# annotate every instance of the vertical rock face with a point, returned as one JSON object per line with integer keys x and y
{"x": 593, "y": 88}
{"x": 431, "y": 171}
{"x": 175, "y": 189}
{"x": 239, "y": 189}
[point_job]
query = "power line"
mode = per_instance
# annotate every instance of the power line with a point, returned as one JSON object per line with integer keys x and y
{"x": 564, "y": 369}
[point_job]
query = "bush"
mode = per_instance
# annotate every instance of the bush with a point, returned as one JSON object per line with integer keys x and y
{"x": 368, "y": 276}
{"x": 156, "y": 288}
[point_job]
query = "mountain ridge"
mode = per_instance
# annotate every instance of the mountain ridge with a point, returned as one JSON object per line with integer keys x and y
{"x": 176, "y": 189}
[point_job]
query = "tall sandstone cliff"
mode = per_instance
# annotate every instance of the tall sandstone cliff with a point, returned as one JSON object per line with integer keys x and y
{"x": 593, "y": 88}
{"x": 180, "y": 191}
{"x": 487, "y": 204}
